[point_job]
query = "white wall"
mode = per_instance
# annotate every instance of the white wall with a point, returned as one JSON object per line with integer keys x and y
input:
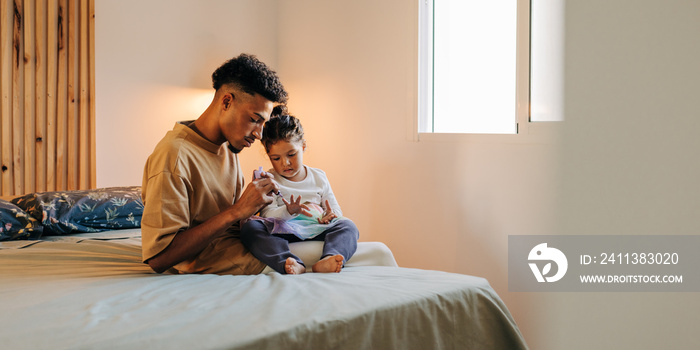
{"x": 153, "y": 66}
{"x": 350, "y": 67}
{"x": 629, "y": 161}
{"x": 446, "y": 204}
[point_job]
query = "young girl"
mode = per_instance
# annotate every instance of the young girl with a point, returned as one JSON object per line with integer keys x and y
{"x": 311, "y": 213}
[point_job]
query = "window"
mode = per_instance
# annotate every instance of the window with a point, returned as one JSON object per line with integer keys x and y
{"x": 475, "y": 66}
{"x": 547, "y": 60}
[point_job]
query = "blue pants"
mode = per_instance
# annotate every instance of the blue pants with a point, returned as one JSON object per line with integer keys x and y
{"x": 273, "y": 249}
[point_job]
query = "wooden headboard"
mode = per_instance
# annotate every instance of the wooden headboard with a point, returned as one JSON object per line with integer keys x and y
{"x": 47, "y": 124}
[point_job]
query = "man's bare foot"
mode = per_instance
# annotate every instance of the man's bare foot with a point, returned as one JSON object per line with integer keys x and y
{"x": 293, "y": 267}
{"x": 331, "y": 263}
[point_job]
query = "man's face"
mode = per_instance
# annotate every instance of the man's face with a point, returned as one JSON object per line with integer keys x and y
{"x": 244, "y": 118}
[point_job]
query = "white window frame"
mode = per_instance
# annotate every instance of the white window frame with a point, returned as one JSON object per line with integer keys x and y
{"x": 527, "y": 131}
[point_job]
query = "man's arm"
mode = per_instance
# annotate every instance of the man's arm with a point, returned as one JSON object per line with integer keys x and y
{"x": 187, "y": 244}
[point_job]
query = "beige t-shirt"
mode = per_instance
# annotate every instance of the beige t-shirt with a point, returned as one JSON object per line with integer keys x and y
{"x": 187, "y": 180}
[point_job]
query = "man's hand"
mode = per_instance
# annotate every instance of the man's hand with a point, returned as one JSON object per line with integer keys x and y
{"x": 328, "y": 214}
{"x": 256, "y": 195}
{"x": 187, "y": 244}
{"x": 295, "y": 207}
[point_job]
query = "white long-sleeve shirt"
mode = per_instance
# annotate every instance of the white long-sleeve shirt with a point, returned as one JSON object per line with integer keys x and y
{"x": 315, "y": 189}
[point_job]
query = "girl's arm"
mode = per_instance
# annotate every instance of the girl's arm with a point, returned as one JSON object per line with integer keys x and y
{"x": 329, "y": 198}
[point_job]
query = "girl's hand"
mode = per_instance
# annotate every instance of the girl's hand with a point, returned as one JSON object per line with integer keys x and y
{"x": 328, "y": 215}
{"x": 295, "y": 207}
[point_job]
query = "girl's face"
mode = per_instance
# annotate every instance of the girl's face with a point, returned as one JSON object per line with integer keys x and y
{"x": 287, "y": 159}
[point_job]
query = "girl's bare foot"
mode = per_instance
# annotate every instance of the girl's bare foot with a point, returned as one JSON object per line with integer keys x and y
{"x": 293, "y": 267}
{"x": 331, "y": 263}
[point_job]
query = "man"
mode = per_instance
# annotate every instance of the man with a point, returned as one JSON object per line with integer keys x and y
{"x": 193, "y": 185}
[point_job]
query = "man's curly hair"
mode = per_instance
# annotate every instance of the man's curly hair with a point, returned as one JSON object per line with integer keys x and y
{"x": 251, "y": 76}
{"x": 281, "y": 127}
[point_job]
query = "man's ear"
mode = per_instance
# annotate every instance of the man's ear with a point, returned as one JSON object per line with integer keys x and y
{"x": 227, "y": 100}
{"x": 303, "y": 145}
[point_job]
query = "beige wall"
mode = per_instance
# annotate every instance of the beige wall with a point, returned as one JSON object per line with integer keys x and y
{"x": 350, "y": 67}
{"x": 627, "y": 153}
{"x": 153, "y": 66}
{"x": 446, "y": 204}
{"x": 628, "y": 161}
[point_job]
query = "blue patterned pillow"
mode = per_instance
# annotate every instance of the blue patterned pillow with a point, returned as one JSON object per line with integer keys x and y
{"x": 15, "y": 223}
{"x": 84, "y": 210}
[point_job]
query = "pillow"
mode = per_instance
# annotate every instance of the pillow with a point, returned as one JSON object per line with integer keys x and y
{"x": 84, "y": 210}
{"x": 15, "y": 223}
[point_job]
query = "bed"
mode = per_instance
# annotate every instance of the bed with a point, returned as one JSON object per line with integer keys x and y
{"x": 90, "y": 290}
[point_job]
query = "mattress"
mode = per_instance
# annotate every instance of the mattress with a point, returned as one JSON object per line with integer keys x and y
{"x": 91, "y": 291}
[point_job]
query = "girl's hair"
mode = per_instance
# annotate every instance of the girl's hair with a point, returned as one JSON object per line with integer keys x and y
{"x": 281, "y": 127}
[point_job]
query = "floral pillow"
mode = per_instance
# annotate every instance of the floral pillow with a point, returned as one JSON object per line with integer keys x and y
{"x": 15, "y": 223}
{"x": 84, "y": 210}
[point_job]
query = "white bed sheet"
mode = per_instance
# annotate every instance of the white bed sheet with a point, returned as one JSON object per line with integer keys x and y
{"x": 83, "y": 292}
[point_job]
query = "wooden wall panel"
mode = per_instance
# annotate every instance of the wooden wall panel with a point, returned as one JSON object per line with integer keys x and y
{"x": 6, "y": 90}
{"x": 47, "y": 126}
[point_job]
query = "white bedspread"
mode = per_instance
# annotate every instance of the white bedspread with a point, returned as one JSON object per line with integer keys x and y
{"x": 86, "y": 293}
